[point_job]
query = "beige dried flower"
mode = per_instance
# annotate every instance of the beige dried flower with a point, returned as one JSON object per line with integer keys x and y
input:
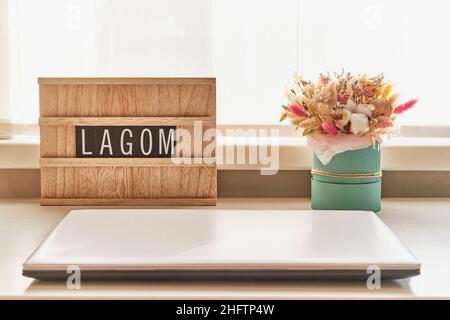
{"x": 382, "y": 108}
{"x": 310, "y": 123}
{"x": 308, "y": 91}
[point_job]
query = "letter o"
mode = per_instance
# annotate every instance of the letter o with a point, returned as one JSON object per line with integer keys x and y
{"x": 146, "y": 153}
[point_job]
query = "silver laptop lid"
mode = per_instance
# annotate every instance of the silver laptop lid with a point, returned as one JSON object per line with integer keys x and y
{"x": 148, "y": 241}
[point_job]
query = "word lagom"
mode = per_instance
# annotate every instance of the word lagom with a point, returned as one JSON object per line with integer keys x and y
{"x": 125, "y": 141}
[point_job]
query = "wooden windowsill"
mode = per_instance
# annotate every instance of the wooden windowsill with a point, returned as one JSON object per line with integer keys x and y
{"x": 398, "y": 154}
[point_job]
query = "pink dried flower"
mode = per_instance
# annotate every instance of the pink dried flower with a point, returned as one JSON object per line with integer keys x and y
{"x": 325, "y": 79}
{"x": 405, "y": 106}
{"x": 295, "y": 109}
{"x": 343, "y": 98}
{"x": 329, "y": 128}
{"x": 383, "y": 122}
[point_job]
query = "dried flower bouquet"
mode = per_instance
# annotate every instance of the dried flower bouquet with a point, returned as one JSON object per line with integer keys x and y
{"x": 343, "y": 104}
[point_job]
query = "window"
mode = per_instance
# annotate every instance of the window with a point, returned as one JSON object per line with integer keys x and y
{"x": 89, "y": 38}
{"x": 4, "y": 63}
{"x": 251, "y": 46}
{"x": 403, "y": 39}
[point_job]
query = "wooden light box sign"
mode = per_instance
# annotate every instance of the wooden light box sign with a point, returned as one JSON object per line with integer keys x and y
{"x": 128, "y": 141}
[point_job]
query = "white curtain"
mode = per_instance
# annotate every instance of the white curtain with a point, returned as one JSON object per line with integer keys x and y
{"x": 4, "y": 63}
{"x": 251, "y": 46}
{"x": 405, "y": 39}
{"x": 255, "y": 46}
{"x": 88, "y": 38}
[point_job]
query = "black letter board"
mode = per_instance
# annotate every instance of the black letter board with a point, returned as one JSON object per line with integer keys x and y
{"x": 125, "y": 141}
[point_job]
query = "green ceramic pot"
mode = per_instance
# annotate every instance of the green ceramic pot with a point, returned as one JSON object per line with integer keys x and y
{"x": 349, "y": 182}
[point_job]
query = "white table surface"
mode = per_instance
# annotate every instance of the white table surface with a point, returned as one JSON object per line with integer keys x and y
{"x": 423, "y": 225}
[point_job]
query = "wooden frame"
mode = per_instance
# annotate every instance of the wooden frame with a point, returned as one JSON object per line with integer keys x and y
{"x": 181, "y": 102}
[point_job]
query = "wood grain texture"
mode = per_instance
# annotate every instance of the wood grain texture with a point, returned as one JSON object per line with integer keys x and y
{"x": 126, "y": 81}
{"x": 181, "y": 102}
{"x": 162, "y": 182}
{"x": 126, "y": 121}
{"x": 129, "y": 202}
{"x": 120, "y": 100}
{"x": 130, "y": 162}
{"x": 58, "y": 142}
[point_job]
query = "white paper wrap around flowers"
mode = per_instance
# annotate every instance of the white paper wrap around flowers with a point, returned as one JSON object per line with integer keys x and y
{"x": 326, "y": 146}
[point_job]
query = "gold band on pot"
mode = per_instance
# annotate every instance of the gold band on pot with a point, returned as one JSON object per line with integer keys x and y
{"x": 347, "y": 175}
